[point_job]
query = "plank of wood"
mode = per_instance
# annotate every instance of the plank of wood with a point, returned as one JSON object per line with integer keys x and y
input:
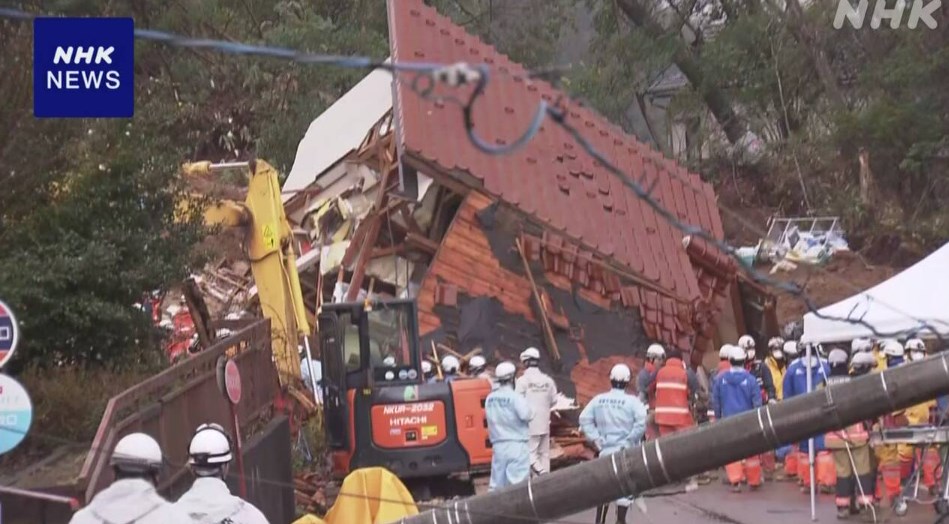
{"x": 421, "y": 242}
{"x": 549, "y": 340}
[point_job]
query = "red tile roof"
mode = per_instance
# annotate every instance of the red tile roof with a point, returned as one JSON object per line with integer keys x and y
{"x": 551, "y": 178}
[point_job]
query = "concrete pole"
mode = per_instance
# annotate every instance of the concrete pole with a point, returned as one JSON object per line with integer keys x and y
{"x": 676, "y": 457}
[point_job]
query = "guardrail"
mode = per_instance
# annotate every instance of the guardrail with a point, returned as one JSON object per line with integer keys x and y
{"x": 170, "y": 405}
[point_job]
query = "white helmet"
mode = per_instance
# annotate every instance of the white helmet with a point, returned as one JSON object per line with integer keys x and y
{"x": 775, "y": 343}
{"x": 655, "y": 351}
{"x": 736, "y": 353}
{"x": 137, "y": 453}
{"x": 864, "y": 359}
{"x": 790, "y": 348}
{"x": 837, "y": 356}
{"x": 477, "y": 362}
{"x": 530, "y": 354}
{"x": 426, "y": 367}
{"x": 210, "y": 446}
{"x": 505, "y": 371}
{"x": 892, "y": 348}
{"x": 450, "y": 364}
{"x": 620, "y": 373}
{"x": 389, "y": 361}
{"x": 915, "y": 344}
{"x": 861, "y": 344}
{"x": 724, "y": 353}
{"x": 746, "y": 342}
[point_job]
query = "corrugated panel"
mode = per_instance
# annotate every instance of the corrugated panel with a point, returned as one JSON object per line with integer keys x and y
{"x": 550, "y": 178}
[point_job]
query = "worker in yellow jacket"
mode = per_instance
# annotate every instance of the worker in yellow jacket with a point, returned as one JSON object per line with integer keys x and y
{"x": 776, "y": 365}
{"x": 915, "y": 416}
{"x": 879, "y": 352}
{"x": 887, "y": 455}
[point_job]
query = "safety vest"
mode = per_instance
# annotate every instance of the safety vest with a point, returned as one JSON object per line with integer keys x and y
{"x": 672, "y": 395}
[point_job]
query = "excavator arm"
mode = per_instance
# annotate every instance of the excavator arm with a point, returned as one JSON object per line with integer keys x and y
{"x": 269, "y": 247}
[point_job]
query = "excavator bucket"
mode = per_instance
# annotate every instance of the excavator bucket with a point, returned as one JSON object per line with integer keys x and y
{"x": 368, "y": 496}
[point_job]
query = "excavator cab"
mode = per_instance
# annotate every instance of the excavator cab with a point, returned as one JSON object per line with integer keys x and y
{"x": 378, "y": 409}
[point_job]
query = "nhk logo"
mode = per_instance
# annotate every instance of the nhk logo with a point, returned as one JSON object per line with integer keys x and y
{"x": 83, "y": 79}
{"x": 919, "y": 12}
{"x": 83, "y": 67}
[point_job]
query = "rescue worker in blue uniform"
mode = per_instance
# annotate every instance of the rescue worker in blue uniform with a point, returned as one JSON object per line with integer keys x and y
{"x": 614, "y": 421}
{"x": 795, "y": 383}
{"x": 737, "y": 391}
{"x": 508, "y": 416}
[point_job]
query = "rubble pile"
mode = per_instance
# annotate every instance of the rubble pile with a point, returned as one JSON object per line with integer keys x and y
{"x": 309, "y": 492}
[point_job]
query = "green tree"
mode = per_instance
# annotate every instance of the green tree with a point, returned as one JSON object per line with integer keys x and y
{"x": 90, "y": 204}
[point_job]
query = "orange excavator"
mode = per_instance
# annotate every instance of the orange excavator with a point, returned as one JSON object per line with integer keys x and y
{"x": 378, "y": 408}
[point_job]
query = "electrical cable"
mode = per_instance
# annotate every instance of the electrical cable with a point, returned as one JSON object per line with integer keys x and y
{"x": 459, "y": 74}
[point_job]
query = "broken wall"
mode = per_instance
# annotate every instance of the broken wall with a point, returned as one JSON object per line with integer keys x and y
{"x": 477, "y": 293}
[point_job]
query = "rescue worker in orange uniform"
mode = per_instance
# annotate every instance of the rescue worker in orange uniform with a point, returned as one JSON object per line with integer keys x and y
{"x": 674, "y": 388}
{"x": 737, "y": 391}
{"x": 850, "y": 446}
{"x": 655, "y": 355}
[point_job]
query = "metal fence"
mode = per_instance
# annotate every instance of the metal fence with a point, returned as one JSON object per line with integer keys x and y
{"x": 171, "y": 404}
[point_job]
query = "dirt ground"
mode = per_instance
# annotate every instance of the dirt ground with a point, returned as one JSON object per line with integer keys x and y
{"x": 846, "y": 274}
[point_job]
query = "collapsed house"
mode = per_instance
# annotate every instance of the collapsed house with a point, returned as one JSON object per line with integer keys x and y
{"x": 540, "y": 247}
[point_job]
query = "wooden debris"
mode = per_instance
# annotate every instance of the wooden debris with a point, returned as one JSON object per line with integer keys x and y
{"x": 549, "y": 340}
{"x": 310, "y": 493}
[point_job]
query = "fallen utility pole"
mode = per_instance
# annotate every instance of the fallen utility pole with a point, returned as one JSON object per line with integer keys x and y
{"x": 679, "y": 456}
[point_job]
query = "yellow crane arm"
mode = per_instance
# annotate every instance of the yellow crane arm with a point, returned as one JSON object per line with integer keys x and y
{"x": 269, "y": 246}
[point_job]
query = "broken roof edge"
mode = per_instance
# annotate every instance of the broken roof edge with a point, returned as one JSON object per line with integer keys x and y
{"x": 438, "y": 173}
{"x": 333, "y": 134}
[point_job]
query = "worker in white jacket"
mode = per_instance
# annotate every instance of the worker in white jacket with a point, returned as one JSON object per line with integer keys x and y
{"x": 132, "y": 498}
{"x": 541, "y": 394}
{"x": 209, "y": 501}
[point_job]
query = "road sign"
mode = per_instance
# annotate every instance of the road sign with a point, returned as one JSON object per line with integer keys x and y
{"x": 9, "y": 333}
{"x": 16, "y": 413}
{"x": 232, "y": 381}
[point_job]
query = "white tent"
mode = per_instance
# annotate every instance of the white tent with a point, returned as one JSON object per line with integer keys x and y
{"x": 903, "y": 304}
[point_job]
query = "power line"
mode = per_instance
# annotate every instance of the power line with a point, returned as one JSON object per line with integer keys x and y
{"x": 427, "y": 75}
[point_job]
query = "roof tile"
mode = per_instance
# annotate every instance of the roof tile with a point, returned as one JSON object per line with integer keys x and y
{"x": 550, "y": 178}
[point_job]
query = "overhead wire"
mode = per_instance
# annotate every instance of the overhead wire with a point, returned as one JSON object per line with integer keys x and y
{"x": 425, "y": 78}
{"x": 428, "y": 75}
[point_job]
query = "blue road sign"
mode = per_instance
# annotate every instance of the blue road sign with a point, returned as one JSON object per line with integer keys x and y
{"x": 16, "y": 413}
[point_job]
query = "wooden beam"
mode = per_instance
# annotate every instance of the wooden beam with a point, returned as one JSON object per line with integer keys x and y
{"x": 380, "y": 252}
{"x": 551, "y": 343}
{"x": 359, "y": 270}
{"x": 369, "y": 241}
{"x": 409, "y": 219}
{"x": 421, "y": 242}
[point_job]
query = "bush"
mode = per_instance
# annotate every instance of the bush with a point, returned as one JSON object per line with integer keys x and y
{"x": 68, "y": 403}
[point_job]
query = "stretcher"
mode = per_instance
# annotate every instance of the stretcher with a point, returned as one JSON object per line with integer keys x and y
{"x": 914, "y": 435}
{"x": 923, "y": 438}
